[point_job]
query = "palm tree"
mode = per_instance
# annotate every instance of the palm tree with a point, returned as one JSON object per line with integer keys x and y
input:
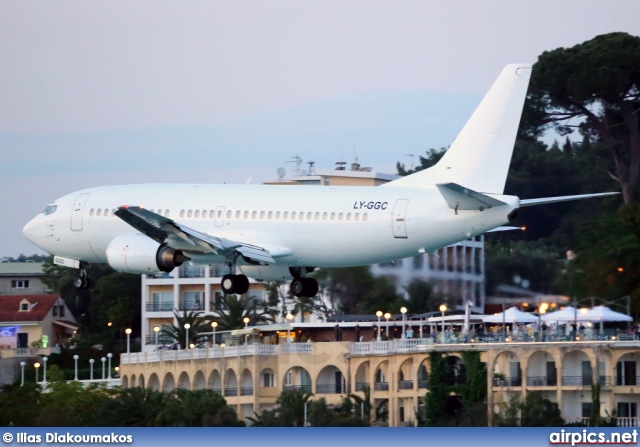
{"x": 198, "y": 323}
{"x": 232, "y": 309}
{"x": 363, "y": 404}
{"x": 291, "y": 406}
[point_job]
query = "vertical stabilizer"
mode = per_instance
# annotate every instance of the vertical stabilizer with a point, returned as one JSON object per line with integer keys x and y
{"x": 479, "y": 157}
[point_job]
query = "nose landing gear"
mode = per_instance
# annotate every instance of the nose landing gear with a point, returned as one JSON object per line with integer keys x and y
{"x": 82, "y": 281}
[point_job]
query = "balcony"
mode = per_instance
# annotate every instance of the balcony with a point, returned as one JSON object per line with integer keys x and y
{"x": 542, "y": 381}
{"x": 231, "y": 391}
{"x": 190, "y": 304}
{"x": 405, "y": 384}
{"x": 246, "y": 391}
{"x": 577, "y": 380}
{"x": 160, "y": 307}
{"x": 507, "y": 381}
{"x": 361, "y": 386}
{"x": 627, "y": 381}
{"x": 330, "y": 388}
{"x": 303, "y": 388}
{"x": 191, "y": 271}
{"x": 423, "y": 384}
{"x": 381, "y": 386}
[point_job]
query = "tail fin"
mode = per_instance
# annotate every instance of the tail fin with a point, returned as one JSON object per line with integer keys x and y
{"x": 479, "y": 157}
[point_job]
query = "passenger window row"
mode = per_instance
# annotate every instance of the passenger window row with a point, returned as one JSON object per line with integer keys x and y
{"x": 277, "y": 215}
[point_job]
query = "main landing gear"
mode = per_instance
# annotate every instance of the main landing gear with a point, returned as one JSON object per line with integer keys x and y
{"x": 307, "y": 287}
{"x": 238, "y": 284}
{"x": 82, "y": 281}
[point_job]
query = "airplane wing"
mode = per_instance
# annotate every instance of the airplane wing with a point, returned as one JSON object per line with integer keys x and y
{"x": 532, "y": 202}
{"x": 162, "y": 229}
{"x": 461, "y": 198}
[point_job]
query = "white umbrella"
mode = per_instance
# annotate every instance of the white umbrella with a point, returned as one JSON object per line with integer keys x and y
{"x": 603, "y": 313}
{"x": 511, "y": 315}
{"x": 566, "y": 314}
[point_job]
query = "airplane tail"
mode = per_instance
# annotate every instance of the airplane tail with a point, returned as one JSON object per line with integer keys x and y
{"x": 479, "y": 157}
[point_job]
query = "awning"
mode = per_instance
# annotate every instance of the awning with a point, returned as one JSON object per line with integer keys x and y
{"x": 67, "y": 324}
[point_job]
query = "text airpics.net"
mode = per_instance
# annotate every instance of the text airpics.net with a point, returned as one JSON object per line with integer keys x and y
{"x": 586, "y": 437}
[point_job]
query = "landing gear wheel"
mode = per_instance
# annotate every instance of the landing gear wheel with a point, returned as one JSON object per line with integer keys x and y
{"x": 307, "y": 287}
{"x": 297, "y": 287}
{"x": 238, "y": 284}
{"x": 81, "y": 282}
{"x": 311, "y": 287}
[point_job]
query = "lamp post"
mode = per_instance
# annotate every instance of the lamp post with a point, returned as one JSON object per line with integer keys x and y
{"x": 103, "y": 359}
{"x": 403, "y": 311}
{"x": 379, "y": 314}
{"x": 75, "y": 367}
{"x": 187, "y": 326}
{"x": 109, "y": 355}
{"x": 214, "y": 325}
{"x": 91, "y": 362}
{"x": 542, "y": 309}
{"x": 128, "y": 332}
{"x": 289, "y": 317}
{"x": 156, "y": 329}
{"x": 22, "y": 365}
{"x": 443, "y": 309}
{"x": 36, "y": 365}
{"x": 246, "y": 325}
{"x": 387, "y": 316}
{"x": 44, "y": 369}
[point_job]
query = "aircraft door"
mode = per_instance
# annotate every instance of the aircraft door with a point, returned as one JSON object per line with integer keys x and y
{"x": 399, "y": 219}
{"x": 219, "y": 218}
{"x": 76, "y": 212}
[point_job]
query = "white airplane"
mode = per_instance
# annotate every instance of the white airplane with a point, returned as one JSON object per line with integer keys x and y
{"x": 285, "y": 232}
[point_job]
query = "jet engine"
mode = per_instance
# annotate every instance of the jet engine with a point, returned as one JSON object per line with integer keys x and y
{"x": 136, "y": 253}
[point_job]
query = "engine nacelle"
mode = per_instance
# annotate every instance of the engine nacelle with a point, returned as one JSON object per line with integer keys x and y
{"x": 136, "y": 253}
{"x": 267, "y": 272}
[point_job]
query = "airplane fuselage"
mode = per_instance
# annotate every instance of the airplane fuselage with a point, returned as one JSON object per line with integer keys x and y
{"x": 301, "y": 225}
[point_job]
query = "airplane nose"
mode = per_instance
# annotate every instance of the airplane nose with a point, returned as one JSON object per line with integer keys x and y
{"x": 30, "y": 230}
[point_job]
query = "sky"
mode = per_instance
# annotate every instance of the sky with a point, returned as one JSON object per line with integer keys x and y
{"x": 111, "y": 92}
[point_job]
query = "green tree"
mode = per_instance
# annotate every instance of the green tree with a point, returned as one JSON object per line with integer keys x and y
{"x": 232, "y": 309}
{"x": 535, "y": 411}
{"x": 133, "y": 407}
{"x": 198, "y": 323}
{"x": 435, "y": 400}
{"x": 291, "y": 405}
{"x": 595, "y": 84}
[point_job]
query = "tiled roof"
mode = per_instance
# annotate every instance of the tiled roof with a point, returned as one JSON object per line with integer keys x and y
{"x": 40, "y": 307}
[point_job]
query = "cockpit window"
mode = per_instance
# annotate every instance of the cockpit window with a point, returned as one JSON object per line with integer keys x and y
{"x": 50, "y": 209}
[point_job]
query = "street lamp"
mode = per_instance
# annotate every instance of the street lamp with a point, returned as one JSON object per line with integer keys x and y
{"x": 289, "y": 317}
{"x": 187, "y": 326}
{"x": 379, "y": 314}
{"x": 36, "y": 365}
{"x": 156, "y": 329}
{"x": 214, "y": 325}
{"x": 91, "y": 362}
{"x": 44, "y": 369}
{"x": 75, "y": 361}
{"x": 246, "y": 322}
{"x": 22, "y": 365}
{"x": 387, "y": 316}
{"x": 403, "y": 311}
{"x": 443, "y": 309}
{"x": 542, "y": 309}
{"x": 128, "y": 332}
{"x": 103, "y": 359}
{"x": 109, "y": 355}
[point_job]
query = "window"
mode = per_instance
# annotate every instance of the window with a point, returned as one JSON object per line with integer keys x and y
{"x": 204, "y": 214}
{"x": 161, "y": 301}
{"x": 238, "y": 214}
{"x": 278, "y": 215}
{"x": 189, "y": 213}
{"x": 229, "y": 214}
{"x": 19, "y": 283}
{"x": 270, "y": 215}
{"x": 356, "y": 216}
{"x": 333, "y": 216}
{"x": 261, "y": 214}
{"x": 55, "y": 311}
{"x": 166, "y": 213}
{"x": 106, "y": 212}
{"x": 61, "y": 310}
{"x": 159, "y": 212}
{"x": 24, "y": 306}
{"x": 324, "y": 216}
{"x": 51, "y": 209}
{"x": 220, "y": 212}
{"x": 246, "y": 214}
{"x": 268, "y": 380}
{"x": 191, "y": 300}
{"x": 99, "y": 212}
{"x": 288, "y": 378}
{"x": 348, "y": 216}
{"x": 197, "y": 214}
{"x": 90, "y": 212}
{"x": 181, "y": 213}
{"x": 285, "y": 215}
{"x": 365, "y": 216}
{"x": 309, "y": 216}
{"x": 254, "y": 214}
{"x": 317, "y": 216}
{"x": 293, "y": 215}
{"x": 340, "y": 216}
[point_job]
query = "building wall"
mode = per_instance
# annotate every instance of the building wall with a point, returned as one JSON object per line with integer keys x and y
{"x": 396, "y": 372}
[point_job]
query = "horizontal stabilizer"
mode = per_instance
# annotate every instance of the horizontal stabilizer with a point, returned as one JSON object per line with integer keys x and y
{"x": 461, "y": 198}
{"x": 504, "y": 229}
{"x": 532, "y": 202}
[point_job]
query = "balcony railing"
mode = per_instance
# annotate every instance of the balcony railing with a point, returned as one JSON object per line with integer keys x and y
{"x": 246, "y": 391}
{"x": 191, "y": 271}
{"x": 577, "y": 380}
{"x": 191, "y": 304}
{"x": 507, "y": 381}
{"x": 231, "y": 391}
{"x": 360, "y": 386}
{"x": 160, "y": 307}
{"x": 162, "y": 340}
{"x": 297, "y": 348}
{"x": 217, "y": 390}
{"x": 628, "y": 380}
{"x": 542, "y": 381}
{"x": 303, "y": 388}
{"x": 423, "y": 384}
{"x": 381, "y": 386}
{"x": 405, "y": 384}
{"x": 330, "y": 388}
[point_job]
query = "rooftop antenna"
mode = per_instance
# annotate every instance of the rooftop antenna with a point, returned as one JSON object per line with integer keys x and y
{"x": 296, "y": 160}
{"x": 312, "y": 169}
{"x": 355, "y": 166}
